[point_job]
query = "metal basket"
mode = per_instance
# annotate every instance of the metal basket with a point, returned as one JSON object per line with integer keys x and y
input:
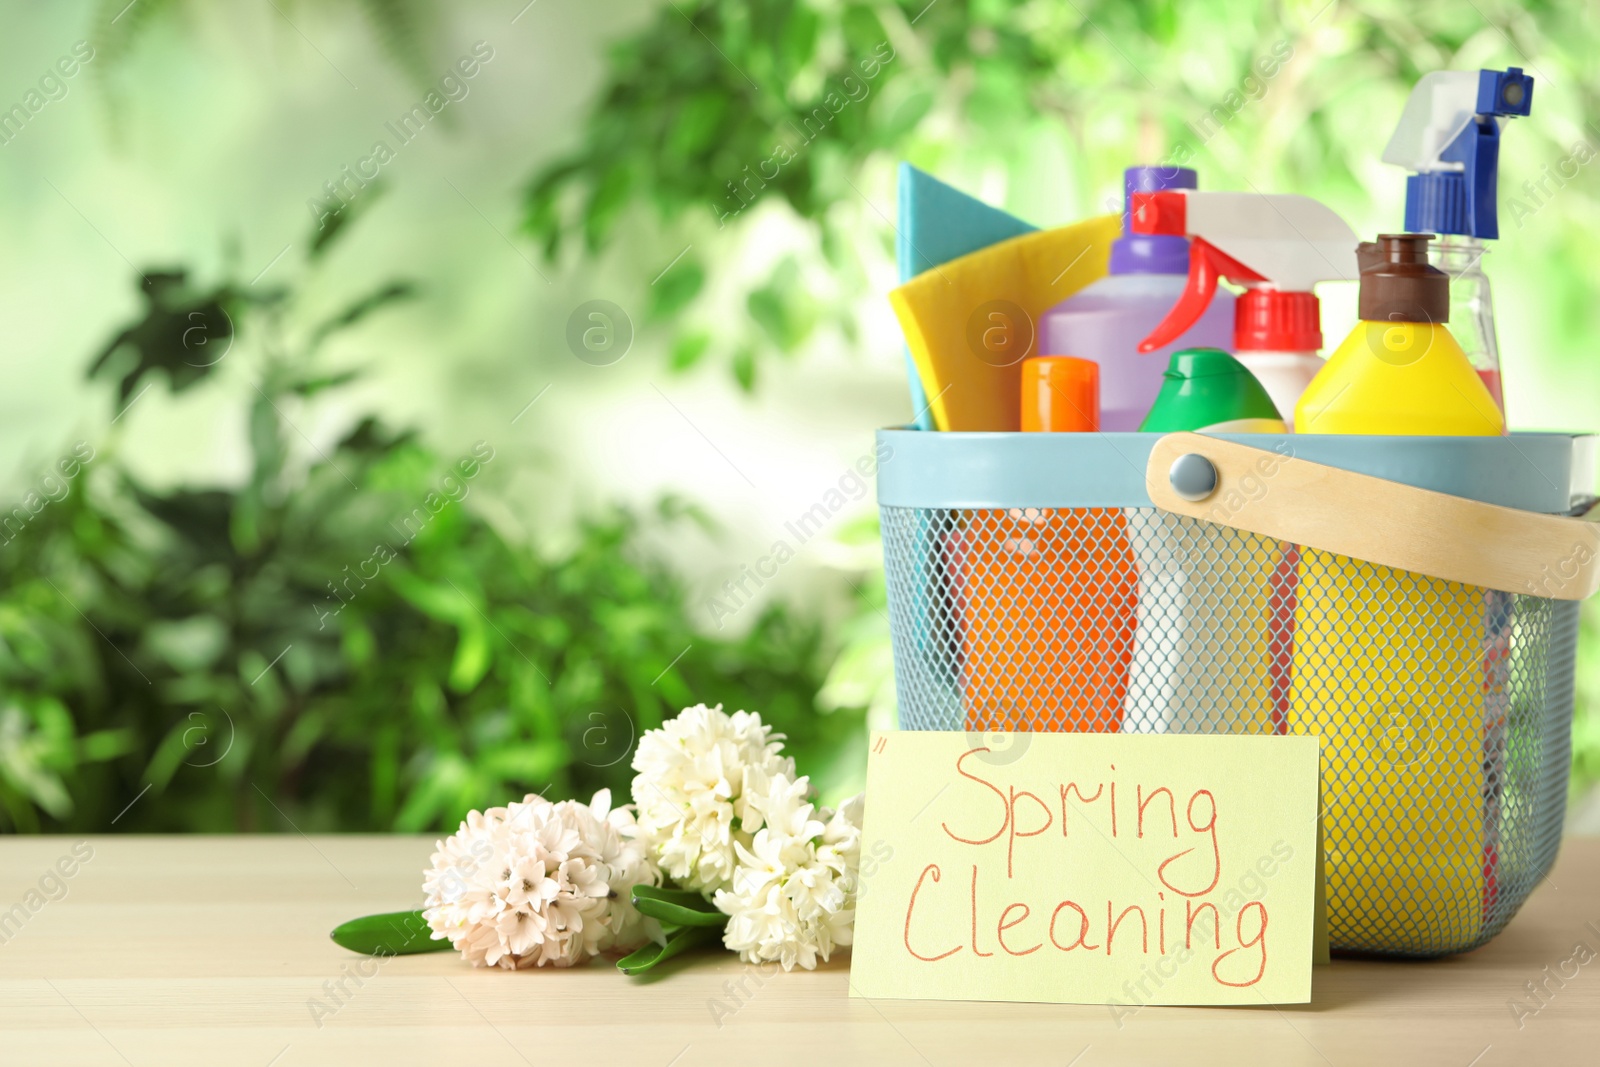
{"x": 1035, "y": 584}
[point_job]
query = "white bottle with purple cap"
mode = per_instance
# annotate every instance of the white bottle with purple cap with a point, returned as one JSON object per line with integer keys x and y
{"x": 1106, "y": 321}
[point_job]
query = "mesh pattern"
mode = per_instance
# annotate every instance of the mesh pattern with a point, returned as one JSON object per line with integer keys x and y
{"x": 1444, "y": 710}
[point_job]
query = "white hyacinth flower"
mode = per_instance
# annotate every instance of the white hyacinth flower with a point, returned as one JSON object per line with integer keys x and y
{"x": 536, "y": 883}
{"x": 696, "y": 777}
{"x": 792, "y": 897}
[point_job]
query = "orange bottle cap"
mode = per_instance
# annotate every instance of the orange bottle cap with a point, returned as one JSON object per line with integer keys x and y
{"x": 1060, "y": 394}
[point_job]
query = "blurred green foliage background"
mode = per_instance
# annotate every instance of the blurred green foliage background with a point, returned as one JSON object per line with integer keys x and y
{"x": 276, "y": 597}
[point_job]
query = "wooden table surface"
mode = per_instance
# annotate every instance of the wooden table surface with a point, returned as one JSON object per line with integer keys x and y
{"x": 214, "y": 950}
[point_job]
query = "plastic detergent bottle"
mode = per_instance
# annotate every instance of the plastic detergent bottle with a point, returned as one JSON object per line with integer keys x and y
{"x": 1104, "y": 321}
{"x": 1395, "y": 670}
{"x": 1400, "y": 371}
{"x": 1202, "y": 660}
{"x": 1449, "y": 138}
{"x": 1277, "y": 247}
{"x": 1048, "y": 605}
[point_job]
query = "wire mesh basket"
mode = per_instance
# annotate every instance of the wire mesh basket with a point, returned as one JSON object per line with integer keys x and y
{"x": 1443, "y": 703}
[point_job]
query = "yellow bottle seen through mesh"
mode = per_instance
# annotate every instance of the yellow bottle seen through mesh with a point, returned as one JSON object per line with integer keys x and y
{"x": 1390, "y": 668}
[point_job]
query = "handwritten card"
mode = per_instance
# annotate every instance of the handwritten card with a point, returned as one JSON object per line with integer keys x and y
{"x": 1118, "y": 869}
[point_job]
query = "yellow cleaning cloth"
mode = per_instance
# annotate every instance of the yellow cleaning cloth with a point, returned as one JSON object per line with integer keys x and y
{"x": 962, "y": 323}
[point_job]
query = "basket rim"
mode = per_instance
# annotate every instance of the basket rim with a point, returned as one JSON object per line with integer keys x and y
{"x": 1550, "y": 473}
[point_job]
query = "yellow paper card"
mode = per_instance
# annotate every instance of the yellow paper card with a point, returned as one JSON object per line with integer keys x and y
{"x": 1117, "y": 869}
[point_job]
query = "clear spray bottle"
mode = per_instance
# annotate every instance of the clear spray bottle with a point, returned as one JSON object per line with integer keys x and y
{"x": 1449, "y": 138}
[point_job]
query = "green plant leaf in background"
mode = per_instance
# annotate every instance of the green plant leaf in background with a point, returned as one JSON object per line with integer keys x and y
{"x": 675, "y": 288}
{"x": 184, "y": 333}
{"x": 403, "y": 29}
{"x": 337, "y": 642}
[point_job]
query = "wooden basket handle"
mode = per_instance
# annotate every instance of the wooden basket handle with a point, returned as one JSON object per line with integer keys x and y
{"x": 1366, "y": 518}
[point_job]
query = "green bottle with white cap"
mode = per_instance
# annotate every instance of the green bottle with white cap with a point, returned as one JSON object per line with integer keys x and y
{"x": 1203, "y": 649}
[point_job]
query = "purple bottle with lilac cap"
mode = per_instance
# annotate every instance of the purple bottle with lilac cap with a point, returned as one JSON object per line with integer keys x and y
{"x": 1106, "y": 321}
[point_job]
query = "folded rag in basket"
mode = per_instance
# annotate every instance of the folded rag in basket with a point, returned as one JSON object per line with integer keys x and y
{"x": 1009, "y": 285}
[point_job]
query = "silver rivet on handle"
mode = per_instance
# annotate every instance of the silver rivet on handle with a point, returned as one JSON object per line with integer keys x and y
{"x": 1193, "y": 476}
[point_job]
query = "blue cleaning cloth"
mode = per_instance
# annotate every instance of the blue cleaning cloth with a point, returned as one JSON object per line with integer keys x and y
{"x": 938, "y": 224}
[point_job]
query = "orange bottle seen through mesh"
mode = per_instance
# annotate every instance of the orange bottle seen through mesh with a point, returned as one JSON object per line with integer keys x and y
{"x": 1047, "y": 597}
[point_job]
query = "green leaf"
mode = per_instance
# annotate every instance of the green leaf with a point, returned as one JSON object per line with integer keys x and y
{"x": 688, "y": 350}
{"x": 472, "y": 658}
{"x": 697, "y": 123}
{"x": 309, "y": 387}
{"x": 606, "y": 202}
{"x": 680, "y": 916}
{"x": 442, "y": 788}
{"x": 531, "y": 762}
{"x": 798, "y": 41}
{"x": 688, "y": 898}
{"x": 673, "y": 291}
{"x": 907, "y": 114}
{"x": 342, "y": 214}
{"x": 439, "y": 602}
{"x": 184, "y": 334}
{"x": 118, "y": 29}
{"x": 678, "y": 940}
{"x": 106, "y": 744}
{"x": 168, "y": 754}
{"x": 767, "y": 308}
{"x": 407, "y": 30}
{"x": 744, "y": 369}
{"x": 782, "y": 308}
{"x": 541, "y": 217}
{"x": 677, "y": 906}
{"x": 383, "y": 296}
{"x": 395, "y": 933}
{"x": 862, "y": 31}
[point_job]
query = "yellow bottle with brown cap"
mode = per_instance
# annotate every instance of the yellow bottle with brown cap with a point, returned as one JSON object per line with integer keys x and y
{"x": 1390, "y": 668}
{"x": 1400, "y": 371}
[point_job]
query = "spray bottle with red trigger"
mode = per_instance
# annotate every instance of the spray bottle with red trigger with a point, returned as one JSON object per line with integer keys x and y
{"x": 1277, "y": 247}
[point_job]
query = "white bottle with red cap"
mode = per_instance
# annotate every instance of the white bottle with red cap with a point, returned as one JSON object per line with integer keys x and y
{"x": 1277, "y": 247}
